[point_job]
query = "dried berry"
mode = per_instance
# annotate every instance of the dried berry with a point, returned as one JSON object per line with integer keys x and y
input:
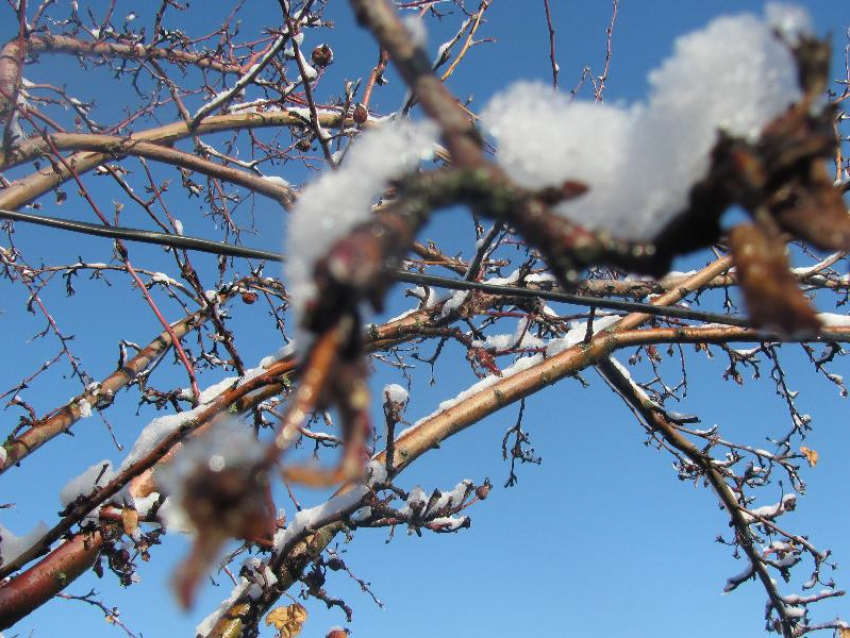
{"x": 249, "y": 297}
{"x": 322, "y": 56}
{"x": 335, "y": 564}
{"x": 361, "y": 114}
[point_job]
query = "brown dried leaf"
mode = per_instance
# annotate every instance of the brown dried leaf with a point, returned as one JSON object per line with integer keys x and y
{"x": 289, "y": 621}
{"x": 129, "y": 520}
{"x": 843, "y": 632}
{"x": 773, "y": 299}
{"x": 812, "y": 209}
{"x": 811, "y": 455}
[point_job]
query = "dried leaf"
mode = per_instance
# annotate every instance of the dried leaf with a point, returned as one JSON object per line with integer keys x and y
{"x": 812, "y": 208}
{"x": 130, "y": 520}
{"x": 773, "y": 299}
{"x": 843, "y": 632}
{"x": 811, "y": 456}
{"x": 289, "y": 621}
{"x": 233, "y": 502}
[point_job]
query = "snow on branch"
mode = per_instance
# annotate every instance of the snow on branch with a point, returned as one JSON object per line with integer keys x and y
{"x": 640, "y": 162}
{"x": 339, "y": 200}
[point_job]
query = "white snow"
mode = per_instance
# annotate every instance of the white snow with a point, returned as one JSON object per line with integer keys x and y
{"x": 540, "y": 278}
{"x": 143, "y": 504}
{"x": 277, "y": 180}
{"x": 208, "y": 623}
{"x": 339, "y": 200}
{"x": 577, "y": 333}
{"x": 770, "y": 512}
{"x": 521, "y": 338}
{"x": 395, "y": 393}
{"x": 85, "y": 409}
{"x": 733, "y": 75}
{"x": 432, "y": 296}
{"x": 792, "y": 21}
{"x": 628, "y": 375}
{"x": 12, "y": 546}
{"x": 312, "y": 519}
{"x": 154, "y": 433}
{"x": 162, "y": 278}
{"x": 450, "y": 523}
{"x": 174, "y": 517}
{"x": 97, "y": 475}
{"x": 453, "y": 498}
{"x": 833, "y": 320}
{"x": 523, "y": 363}
{"x": 162, "y": 426}
{"x": 259, "y": 575}
{"x": 223, "y": 96}
{"x": 376, "y": 472}
{"x": 454, "y": 302}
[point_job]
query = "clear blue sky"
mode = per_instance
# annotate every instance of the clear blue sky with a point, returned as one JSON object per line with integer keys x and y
{"x": 601, "y": 539}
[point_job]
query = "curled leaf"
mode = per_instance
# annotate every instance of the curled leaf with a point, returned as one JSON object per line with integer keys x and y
{"x": 773, "y": 299}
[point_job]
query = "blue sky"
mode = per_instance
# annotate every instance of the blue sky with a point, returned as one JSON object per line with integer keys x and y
{"x": 600, "y": 539}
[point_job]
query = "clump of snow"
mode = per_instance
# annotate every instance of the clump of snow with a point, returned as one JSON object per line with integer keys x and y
{"x": 577, "y": 333}
{"x": 312, "y": 519}
{"x": 420, "y": 506}
{"x": 734, "y": 75}
{"x": 791, "y": 21}
{"x": 12, "y": 546}
{"x": 162, "y": 278}
{"x": 96, "y": 476}
{"x": 174, "y": 517}
{"x": 454, "y": 302}
{"x": 277, "y": 180}
{"x": 3, "y": 455}
{"x": 155, "y": 432}
{"x": 259, "y": 575}
{"x": 521, "y": 338}
{"x": 834, "y": 320}
{"x": 85, "y": 409}
{"x": 770, "y": 512}
{"x": 376, "y": 473}
{"x": 283, "y": 352}
{"x": 450, "y": 523}
{"x": 395, "y": 393}
{"x": 430, "y": 297}
{"x": 144, "y": 504}
{"x": 339, "y": 200}
{"x": 208, "y": 623}
{"x": 160, "y": 427}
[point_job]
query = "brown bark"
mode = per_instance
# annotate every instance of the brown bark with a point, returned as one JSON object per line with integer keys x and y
{"x": 22, "y": 595}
